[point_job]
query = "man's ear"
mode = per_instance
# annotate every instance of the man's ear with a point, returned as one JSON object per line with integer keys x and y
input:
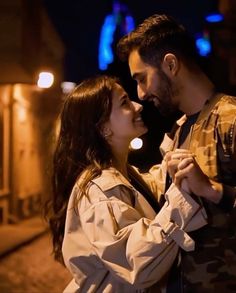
{"x": 170, "y": 64}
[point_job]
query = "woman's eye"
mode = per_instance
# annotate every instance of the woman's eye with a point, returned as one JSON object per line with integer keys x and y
{"x": 124, "y": 102}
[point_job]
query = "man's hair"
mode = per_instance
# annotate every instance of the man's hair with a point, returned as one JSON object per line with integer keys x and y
{"x": 155, "y": 37}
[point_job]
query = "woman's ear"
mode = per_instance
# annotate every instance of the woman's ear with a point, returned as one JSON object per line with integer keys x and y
{"x": 170, "y": 64}
{"x": 106, "y": 132}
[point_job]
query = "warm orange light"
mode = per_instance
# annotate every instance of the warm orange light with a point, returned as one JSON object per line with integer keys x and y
{"x": 22, "y": 114}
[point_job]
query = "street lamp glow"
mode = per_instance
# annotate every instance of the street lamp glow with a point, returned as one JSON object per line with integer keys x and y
{"x": 67, "y": 86}
{"x": 136, "y": 143}
{"x": 45, "y": 80}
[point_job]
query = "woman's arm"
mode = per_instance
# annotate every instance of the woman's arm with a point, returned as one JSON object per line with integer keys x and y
{"x": 136, "y": 249}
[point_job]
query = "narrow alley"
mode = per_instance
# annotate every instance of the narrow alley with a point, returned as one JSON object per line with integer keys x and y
{"x": 32, "y": 269}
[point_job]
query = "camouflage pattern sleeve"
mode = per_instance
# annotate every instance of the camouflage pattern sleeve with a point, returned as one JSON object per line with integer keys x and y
{"x": 227, "y": 135}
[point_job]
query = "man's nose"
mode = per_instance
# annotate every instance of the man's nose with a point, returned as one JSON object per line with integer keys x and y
{"x": 141, "y": 93}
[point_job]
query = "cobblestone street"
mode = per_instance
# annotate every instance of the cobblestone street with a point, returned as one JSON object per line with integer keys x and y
{"x": 32, "y": 269}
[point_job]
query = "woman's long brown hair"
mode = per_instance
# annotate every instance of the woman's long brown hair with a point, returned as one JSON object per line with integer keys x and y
{"x": 80, "y": 146}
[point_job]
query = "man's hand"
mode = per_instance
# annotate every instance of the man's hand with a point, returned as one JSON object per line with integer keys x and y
{"x": 173, "y": 159}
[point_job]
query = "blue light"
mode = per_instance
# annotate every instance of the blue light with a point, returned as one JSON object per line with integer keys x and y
{"x": 214, "y": 17}
{"x": 203, "y": 46}
{"x": 105, "y": 54}
{"x": 120, "y": 18}
{"x": 129, "y": 23}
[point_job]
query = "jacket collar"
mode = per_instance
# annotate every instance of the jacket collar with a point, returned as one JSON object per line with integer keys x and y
{"x": 210, "y": 104}
{"x": 110, "y": 178}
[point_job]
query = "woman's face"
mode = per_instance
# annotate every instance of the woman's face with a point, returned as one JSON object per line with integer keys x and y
{"x": 125, "y": 122}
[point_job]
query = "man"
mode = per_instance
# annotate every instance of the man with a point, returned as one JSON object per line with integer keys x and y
{"x": 162, "y": 59}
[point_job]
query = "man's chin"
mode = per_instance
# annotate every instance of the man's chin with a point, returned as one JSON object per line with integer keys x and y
{"x": 166, "y": 112}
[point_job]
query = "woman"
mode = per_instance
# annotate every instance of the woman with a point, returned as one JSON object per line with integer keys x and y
{"x": 106, "y": 223}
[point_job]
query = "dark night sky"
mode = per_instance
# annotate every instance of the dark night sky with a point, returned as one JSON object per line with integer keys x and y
{"x": 79, "y": 22}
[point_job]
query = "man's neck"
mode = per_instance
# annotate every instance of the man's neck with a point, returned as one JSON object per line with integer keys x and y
{"x": 196, "y": 98}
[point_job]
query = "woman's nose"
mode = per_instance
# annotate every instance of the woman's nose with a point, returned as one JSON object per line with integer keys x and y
{"x": 137, "y": 107}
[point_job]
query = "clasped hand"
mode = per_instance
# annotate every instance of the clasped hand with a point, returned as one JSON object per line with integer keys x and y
{"x": 186, "y": 173}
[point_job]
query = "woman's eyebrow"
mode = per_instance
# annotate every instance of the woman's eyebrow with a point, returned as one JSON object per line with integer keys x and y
{"x": 123, "y": 97}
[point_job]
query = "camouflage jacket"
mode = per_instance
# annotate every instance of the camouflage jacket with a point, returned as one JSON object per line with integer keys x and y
{"x": 212, "y": 266}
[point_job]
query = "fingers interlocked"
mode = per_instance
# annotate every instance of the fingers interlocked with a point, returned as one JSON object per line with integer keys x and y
{"x": 178, "y": 160}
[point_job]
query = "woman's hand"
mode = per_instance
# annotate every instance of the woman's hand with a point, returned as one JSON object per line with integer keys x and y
{"x": 173, "y": 159}
{"x": 187, "y": 174}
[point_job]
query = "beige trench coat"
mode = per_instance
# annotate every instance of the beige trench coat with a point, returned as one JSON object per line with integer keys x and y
{"x": 115, "y": 242}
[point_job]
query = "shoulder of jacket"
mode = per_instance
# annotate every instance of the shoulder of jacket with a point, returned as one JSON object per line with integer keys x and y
{"x": 226, "y": 113}
{"x": 226, "y": 123}
{"x": 226, "y": 105}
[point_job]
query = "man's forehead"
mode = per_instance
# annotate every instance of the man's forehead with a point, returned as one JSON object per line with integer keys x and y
{"x": 134, "y": 57}
{"x": 139, "y": 68}
{"x": 136, "y": 64}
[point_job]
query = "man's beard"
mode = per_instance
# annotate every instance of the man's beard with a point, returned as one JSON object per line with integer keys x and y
{"x": 166, "y": 92}
{"x": 167, "y": 110}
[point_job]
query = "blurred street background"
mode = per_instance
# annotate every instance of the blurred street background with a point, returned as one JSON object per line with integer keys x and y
{"x": 46, "y": 48}
{"x": 32, "y": 269}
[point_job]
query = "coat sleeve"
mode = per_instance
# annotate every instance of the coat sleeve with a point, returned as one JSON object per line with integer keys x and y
{"x": 135, "y": 249}
{"x": 155, "y": 179}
